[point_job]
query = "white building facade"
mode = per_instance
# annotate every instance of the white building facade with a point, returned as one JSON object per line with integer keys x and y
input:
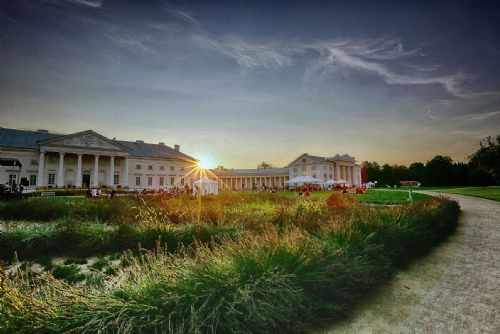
{"x": 88, "y": 159}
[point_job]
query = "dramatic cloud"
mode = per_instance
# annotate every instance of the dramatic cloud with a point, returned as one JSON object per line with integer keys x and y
{"x": 324, "y": 57}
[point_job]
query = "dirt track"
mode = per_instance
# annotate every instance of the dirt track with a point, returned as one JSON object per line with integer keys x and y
{"x": 454, "y": 289}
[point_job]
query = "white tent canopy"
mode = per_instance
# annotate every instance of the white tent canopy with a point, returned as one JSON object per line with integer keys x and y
{"x": 206, "y": 186}
{"x": 333, "y": 182}
{"x": 303, "y": 179}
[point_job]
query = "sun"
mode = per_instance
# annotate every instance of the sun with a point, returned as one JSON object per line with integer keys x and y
{"x": 205, "y": 162}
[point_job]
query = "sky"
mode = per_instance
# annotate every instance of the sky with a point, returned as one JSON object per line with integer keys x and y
{"x": 249, "y": 81}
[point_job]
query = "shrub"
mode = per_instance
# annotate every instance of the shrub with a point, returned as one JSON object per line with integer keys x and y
{"x": 70, "y": 273}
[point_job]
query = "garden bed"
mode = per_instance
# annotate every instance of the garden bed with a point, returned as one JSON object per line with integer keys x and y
{"x": 293, "y": 265}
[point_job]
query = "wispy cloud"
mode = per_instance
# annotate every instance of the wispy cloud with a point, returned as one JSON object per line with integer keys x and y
{"x": 322, "y": 58}
{"x": 478, "y": 117}
{"x": 88, "y": 3}
{"x": 180, "y": 14}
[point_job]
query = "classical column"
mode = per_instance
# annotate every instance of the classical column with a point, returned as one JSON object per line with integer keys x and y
{"x": 349, "y": 178}
{"x": 41, "y": 170}
{"x": 96, "y": 171}
{"x": 78, "y": 181}
{"x": 60, "y": 171}
{"x": 111, "y": 178}
{"x": 337, "y": 171}
{"x": 125, "y": 174}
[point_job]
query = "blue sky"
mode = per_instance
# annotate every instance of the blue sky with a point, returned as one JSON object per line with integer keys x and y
{"x": 247, "y": 81}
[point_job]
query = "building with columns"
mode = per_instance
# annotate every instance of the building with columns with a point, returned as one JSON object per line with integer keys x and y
{"x": 88, "y": 159}
{"x": 322, "y": 168}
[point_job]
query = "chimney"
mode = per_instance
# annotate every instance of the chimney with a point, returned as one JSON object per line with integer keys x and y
{"x": 161, "y": 143}
{"x": 140, "y": 141}
{"x": 177, "y": 147}
{"x": 42, "y": 131}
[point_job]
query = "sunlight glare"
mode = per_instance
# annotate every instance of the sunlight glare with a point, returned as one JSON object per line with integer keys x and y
{"x": 205, "y": 162}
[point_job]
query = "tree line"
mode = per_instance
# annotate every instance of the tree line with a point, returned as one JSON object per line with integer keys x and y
{"x": 482, "y": 169}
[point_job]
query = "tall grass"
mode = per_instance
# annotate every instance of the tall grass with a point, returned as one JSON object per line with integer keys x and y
{"x": 289, "y": 278}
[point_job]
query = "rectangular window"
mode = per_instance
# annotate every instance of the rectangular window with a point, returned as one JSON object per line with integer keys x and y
{"x": 182, "y": 181}
{"x": 324, "y": 176}
{"x": 12, "y": 178}
{"x": 34, "y": 162}
{"x": 32, "y": 180}
{"x": 182, "y": 168}
{"x": 52, "y": 179}
{"x": 116, "y": 179}
{"x": 172, "y": 168}
{"x": 150, "y": 167}
{"x": 162, "y": 167}
{"x": 172, "y": 181}
{"x": 161, "y": 180}
{"x": 304, "y": 168}
{"x": 295, "y": 170}
{"x": 137, "y": 166}
{"x": 150, "y": 180}
{"x": 137, "y": 180}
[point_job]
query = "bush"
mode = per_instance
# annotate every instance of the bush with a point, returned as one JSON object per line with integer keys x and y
{"x": 70, "y": 273}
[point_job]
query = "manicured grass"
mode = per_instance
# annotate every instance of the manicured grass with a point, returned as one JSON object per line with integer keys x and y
{"x": 492, "y": 193}
{"x": 382, "y": 196}
{"x": 301, "y": 263}
{"x": 376, "y": 196}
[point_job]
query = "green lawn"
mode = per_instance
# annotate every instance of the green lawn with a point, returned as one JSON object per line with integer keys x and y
{"x": 382, "y": 196}
{"x": 377, "y": 196}
{"x": 492, "y": 193}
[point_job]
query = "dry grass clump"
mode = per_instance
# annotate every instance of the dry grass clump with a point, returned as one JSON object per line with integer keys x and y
{"x": 308, "y": 266}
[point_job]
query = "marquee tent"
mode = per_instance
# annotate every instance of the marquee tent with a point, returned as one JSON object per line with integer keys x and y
{"x": 334, "y": 182}
{"x": 206, "y": 186}
{"x": 303, "y": 180}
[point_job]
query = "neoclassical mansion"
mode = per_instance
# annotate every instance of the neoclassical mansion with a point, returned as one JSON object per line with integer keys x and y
{"x": 88, "y": 159}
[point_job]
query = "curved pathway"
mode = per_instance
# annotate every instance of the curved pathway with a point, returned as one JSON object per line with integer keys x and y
{"x": 453, "y": 289}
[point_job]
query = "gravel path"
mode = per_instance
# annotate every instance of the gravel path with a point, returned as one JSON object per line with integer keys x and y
{"x": 454, "y": 289}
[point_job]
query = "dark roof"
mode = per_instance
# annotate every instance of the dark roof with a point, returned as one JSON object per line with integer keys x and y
{"x": 153, "y": 150}
{"x": 28, "y": 139}
{"x": 263, "y": 171}
{"x": 23, "y": 138}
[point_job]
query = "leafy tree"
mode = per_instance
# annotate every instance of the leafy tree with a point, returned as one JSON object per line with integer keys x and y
{"x": 371, "y": 170}
{"x": 486, "y": 161}
{"x": 265, "y": 165}
{"x": 439, "y": 171}
{"x": 416, "y": 172}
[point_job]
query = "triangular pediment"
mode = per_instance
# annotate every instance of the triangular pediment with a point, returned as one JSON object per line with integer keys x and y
{"x": 305, "y": 159}
{"x": 86, "y": 139}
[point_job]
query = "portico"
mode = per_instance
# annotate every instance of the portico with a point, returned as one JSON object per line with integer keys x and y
{"x": 81, "y": 155}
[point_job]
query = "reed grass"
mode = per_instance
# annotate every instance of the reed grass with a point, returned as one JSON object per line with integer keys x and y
{"x": 291, "y": 278}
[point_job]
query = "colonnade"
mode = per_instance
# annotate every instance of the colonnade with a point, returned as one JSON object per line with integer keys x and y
{"x": 94, "y": 182}
{"x": 247, "y": 182}
{"x": 349, "y": 173}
